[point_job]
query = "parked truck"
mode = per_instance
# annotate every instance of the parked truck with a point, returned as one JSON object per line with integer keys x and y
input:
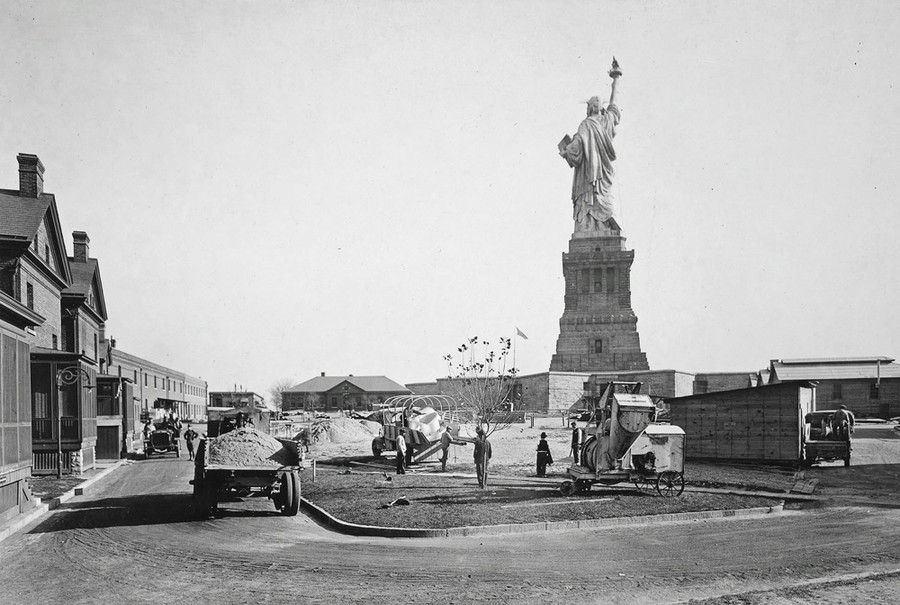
{"x": 246, "y": 462}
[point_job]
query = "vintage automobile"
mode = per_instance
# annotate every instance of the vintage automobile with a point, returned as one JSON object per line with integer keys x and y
{"x": 161, "y": 440}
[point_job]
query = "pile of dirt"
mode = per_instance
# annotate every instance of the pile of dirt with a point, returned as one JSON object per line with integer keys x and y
{"x": 339, "y": 430}
{"x": 247, "y": 447}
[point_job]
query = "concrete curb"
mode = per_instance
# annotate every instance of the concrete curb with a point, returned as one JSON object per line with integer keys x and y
{"x": 354, "y": 529}
{"x": 43, "y": 508}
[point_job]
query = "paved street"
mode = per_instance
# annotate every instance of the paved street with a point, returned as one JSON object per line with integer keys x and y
{"x": 131, "y": 538}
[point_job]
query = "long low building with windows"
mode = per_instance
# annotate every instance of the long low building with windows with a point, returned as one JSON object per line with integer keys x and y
{"x": 156, "y": 390}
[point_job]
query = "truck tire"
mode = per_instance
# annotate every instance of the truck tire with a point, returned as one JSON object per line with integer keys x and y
{"x": 287, "y": 494}
{"x": 294, "y": 505}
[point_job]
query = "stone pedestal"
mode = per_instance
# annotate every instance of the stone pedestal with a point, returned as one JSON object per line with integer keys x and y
{"x": 598, "y": 329}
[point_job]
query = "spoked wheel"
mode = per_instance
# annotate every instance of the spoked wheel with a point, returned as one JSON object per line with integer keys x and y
{"x": 641, "y": 483}
{"x": 567, "y": 488}
{"x": 670, "y": 484}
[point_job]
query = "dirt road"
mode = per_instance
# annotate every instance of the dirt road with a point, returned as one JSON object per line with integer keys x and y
{"x": 132, "y": 539}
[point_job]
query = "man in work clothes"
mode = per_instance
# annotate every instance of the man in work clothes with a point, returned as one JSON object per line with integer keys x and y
{"x": 189, "y": 436}
{"x": 401, "y": 452}
{"x": 576, "y": 443}
{"x": 446, "y": 440}
{"x": 842, "y": 423}
{"x": 482, "y": 456}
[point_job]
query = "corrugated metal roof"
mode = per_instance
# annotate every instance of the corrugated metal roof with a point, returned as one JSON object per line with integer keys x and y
{"x": 833, "y": 360}
{"x": 835, "y": 371}
{"x": 375, "y": 384}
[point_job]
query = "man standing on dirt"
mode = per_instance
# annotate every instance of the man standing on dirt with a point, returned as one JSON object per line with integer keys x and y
{"x": 446, "y": 440}
{"x": 189, "y": 436}
{"x": 401, "y": 452}
{"x": 482, "y": 456}
{"x": 576, "y": 442}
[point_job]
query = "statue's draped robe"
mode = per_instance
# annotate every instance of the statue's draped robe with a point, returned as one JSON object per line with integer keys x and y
{"x": 591, "y": 153}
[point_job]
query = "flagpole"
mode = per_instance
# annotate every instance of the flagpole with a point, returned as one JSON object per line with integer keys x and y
{"x": 515, "y": 339}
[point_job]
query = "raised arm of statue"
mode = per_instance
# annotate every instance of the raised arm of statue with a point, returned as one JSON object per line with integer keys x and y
{"x": 612, "y": 94}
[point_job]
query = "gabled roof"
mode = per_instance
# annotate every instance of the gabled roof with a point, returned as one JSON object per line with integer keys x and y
{"x": 835, "y": 369}
{"x": 20, "y": 219}
{"x": 373, "y": 384}
{"x": 85, "y": 279}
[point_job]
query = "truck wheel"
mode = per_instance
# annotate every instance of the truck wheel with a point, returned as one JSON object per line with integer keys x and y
{"x": 567, "y": 488}
{"x": 287, "y": 493}
{"x": 294, "y": 505}
{"x": 376, "y": 448}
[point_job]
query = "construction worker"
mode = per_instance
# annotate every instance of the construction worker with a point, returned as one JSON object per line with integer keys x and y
{"x": 401, "y": 452}
{"x": 576, "y": 442}
{"x": 189, "y": 435}
{"x": 482, "y": 456}
{"x": 842, "y": 422}
{"x": 446, "y": 440}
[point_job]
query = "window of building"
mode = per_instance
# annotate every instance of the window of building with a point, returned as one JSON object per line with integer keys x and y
{"x": 55, "y": 343}
{"x": 598, "y": 280}
{"x": 837, "y": 391}
{"x": 29, "y": 296}
{"x": 585, "y": 279}
{"x": 598, "y": 345}
{"x": 155, "y": 385}
{"x": 610, "y": 279}
{"x": 135, "y": 377}
{"x": 47, "y": 253}
{"x": 145, "y": 380}
{"x": 874, "y": 391}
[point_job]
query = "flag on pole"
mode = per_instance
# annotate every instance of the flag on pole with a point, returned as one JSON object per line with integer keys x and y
{"x": 520, "y": 333}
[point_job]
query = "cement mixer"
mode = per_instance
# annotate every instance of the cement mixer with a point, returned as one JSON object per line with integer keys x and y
{"x": 424, "y": 418}
{"x": 624, "y": 444}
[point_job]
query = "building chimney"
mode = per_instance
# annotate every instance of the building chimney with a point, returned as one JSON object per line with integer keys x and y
{"x": 31, "y": 175}
{"x": 80, "y": 241}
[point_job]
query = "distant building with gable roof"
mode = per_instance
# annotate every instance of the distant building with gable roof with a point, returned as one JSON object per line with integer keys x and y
{"x": 868, "y": 386}
{"x": 341, "y": 393}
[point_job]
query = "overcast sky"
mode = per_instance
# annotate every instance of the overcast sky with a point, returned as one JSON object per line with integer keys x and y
{"x": 278, "y": 189}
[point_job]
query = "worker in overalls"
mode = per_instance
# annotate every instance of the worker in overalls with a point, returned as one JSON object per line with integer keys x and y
{"x": 842, "y": 422}
{"x": 401, "y": 452}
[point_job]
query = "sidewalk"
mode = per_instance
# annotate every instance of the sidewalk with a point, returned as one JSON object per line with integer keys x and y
{"x": 42, "y": 507}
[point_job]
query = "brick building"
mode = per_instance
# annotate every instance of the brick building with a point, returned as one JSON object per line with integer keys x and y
{"x": 341, "y": 393}
{"x": 155, "y": 390}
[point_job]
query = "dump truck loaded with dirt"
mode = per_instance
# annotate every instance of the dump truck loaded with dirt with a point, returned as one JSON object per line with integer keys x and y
{"x": 247, "y": 463}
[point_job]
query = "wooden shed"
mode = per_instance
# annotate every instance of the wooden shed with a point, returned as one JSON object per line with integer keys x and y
{"x": 757, "y": 424}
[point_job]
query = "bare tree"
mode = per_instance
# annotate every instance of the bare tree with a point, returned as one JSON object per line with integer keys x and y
{"x": 276, "y": 392}
{"x": 482, "y": 382}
